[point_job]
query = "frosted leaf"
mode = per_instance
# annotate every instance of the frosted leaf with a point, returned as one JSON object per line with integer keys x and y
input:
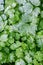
{"x": 1, "y": 19}
{"x": 32, "y": 29}
{"x": 7, "y": 9}
{"x": 1, "y": 7}
{"x": 34, "y": 19}
{"x": 4, "y": 37}
{"x": 36, "y": 11}
{"x": 14, "y": 5}
{"x": 39, "y": 39}
{"x": 4, "y": 16}
{"x": 21, "y": 9}
{"x": 26, "y": 18}
{"x": 5, "y": 23}
{"x": 20, "y": 62}
{"x": 27, "y": 8}
{"x": 35, "y": 2}
{"x": 40, "y": 42}
{"x": 13, "y": 28}
{"x": 1, "y": 1}
{"x": 10, "y": 13}
{"x": 14, "y": 46}
{"x": 23, "y": 29}
{"x": 11, "y": 57}
{"x": 21, "y": 1}
{"x": 1, "y": 26}
{"x": 26, "y": 28}
{"x": 28, "y": 58}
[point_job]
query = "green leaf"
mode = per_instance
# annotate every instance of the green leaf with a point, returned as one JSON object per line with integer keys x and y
{"x": 19, "y": 53}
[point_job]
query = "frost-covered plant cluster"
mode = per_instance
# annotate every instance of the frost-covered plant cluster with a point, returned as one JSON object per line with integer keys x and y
{"x": 21, "y": 32}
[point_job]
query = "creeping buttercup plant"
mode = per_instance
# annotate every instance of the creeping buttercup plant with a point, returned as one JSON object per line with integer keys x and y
{"x": 21, "y": 32}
